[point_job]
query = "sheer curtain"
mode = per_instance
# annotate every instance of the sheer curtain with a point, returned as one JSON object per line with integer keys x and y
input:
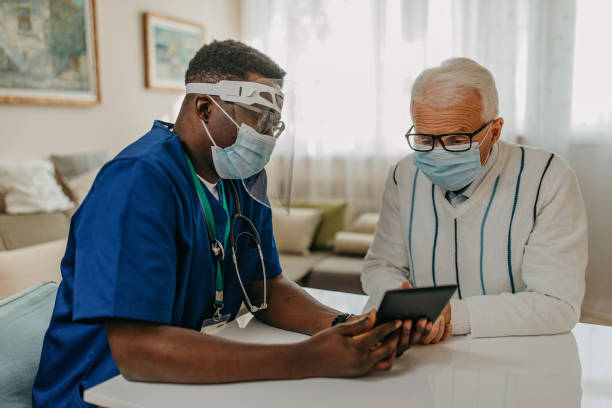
{"x": 353, "y": 64}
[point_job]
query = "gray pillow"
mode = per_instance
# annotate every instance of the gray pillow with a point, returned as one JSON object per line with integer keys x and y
{"x": 72, "y": 165}
{"x": 24, "y": 319}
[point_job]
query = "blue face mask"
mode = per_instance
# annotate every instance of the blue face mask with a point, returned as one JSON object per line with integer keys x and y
{"x": 450, "y": 170}
{"x": 246, "y": 157}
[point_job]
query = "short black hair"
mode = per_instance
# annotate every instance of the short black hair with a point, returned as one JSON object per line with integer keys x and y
{"x": 230, "y": 60}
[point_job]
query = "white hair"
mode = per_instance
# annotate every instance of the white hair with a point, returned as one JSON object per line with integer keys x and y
{"x": 448, "y": 84}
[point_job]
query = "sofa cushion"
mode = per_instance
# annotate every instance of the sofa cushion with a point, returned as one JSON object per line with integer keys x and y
{"x": 295, "y": 231}
{"x": 24, "y": 319}
{"x": 366, "y": 223}
{"x": 17, "y": 231}
{"x": 296, "y": 267}
{"x": 339, "y": 273}
{"x": 352, "y": 243}
{"x": 333, "y": 219}
{"x": 74, "y": 164}
{"x": 31, "y": 187}
{"x": 25, "y": 267}
{"x": 80, "y": 185}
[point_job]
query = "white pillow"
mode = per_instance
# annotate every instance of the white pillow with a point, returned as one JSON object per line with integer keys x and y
{"x": 81, "y": 184}
{"x": 355, "y": 243}
{"x": 295, "y": 231}
{"x": 366, "y": 223}
{"x": 30, "y": 187}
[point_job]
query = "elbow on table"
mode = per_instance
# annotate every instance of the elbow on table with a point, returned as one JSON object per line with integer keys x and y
{"x": 367, "y": 278}
{"x": 572, "y": 319}
{"x": 566, "y": 319}
{"x": 126, "y": 363}
{"x": 132, "y": 350}
{"x": 128, "y": 374}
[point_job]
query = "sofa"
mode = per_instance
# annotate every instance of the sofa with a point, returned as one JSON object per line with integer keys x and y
{"x": 334, "y": 266}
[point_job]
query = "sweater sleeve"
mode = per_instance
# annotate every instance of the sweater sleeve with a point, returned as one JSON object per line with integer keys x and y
{"x": 553, "y": 270}
{"x": 386, "y": 264}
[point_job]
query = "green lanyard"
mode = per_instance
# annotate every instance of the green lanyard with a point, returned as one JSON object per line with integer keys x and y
{"x": 210, "y": 224}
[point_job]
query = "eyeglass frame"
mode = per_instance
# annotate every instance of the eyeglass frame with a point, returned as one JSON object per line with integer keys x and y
{"x": 439, "y": 137}
{"x": 276, "y": 130}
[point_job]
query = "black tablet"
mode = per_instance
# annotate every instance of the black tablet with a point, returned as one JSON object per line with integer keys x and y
{"x": 412, "y": 304}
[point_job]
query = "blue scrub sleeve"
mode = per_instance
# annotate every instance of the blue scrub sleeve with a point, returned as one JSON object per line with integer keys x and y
{"x": 125, "y": 262}
{"x": 268, "y": 246}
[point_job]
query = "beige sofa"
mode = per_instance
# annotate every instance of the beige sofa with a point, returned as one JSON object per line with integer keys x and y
{"x": 18, "y": 231}
{"x": 25, "y": 267}
{"x": 32, "y": 245}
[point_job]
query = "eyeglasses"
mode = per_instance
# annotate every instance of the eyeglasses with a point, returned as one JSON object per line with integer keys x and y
{"x": 267, "y": 121}
{"x": 452, "y": 142}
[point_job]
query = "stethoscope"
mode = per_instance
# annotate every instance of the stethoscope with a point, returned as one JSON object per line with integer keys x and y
{"x": 218, "y": 251}
{"x": 217, "y": 248}
{"x": 254, "y": 235}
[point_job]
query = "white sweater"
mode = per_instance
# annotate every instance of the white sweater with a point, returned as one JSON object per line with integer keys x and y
{"x": 517, "y": 248}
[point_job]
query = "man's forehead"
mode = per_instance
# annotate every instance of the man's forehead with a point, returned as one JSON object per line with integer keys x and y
{"x": 463, "y": 117}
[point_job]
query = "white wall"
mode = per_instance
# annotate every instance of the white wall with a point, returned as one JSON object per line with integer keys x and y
{"x": 592, "y": 165}
{"x": 128, "y": 108}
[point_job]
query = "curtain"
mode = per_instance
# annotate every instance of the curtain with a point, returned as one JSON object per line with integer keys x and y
{"x": 352, "y": 63}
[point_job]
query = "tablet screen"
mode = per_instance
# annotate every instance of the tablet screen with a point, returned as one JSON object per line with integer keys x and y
{"x": 412, "y": 304}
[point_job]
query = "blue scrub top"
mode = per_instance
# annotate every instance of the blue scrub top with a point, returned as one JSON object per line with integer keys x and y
{"x": 138, "y": 249}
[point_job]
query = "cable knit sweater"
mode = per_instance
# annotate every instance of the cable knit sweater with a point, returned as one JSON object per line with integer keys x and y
{"x": 517, "y": 248}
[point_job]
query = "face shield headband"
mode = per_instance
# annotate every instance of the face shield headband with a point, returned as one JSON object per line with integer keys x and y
{"x": 248, "y": 93}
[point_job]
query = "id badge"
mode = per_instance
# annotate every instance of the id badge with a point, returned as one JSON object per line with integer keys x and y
{"x": 215, "y": 322}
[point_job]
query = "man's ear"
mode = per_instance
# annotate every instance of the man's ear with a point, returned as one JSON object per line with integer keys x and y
{"x": 203, "y": 107}
{"x": 498, "y": 124}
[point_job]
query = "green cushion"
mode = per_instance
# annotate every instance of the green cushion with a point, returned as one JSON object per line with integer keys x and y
{"x": 24, "y": 319}
{"x": 333, "y": 220}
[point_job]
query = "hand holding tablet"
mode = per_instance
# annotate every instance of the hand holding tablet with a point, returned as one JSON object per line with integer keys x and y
{"x": 425, "y": 312}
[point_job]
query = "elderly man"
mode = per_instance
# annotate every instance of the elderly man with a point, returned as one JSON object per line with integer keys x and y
{"x": 505, "y": 223}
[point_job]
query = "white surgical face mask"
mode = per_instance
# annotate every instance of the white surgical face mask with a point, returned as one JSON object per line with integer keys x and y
{"x": 246, "y": 157}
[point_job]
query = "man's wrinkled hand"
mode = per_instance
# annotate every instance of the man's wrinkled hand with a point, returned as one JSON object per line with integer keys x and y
{"x": 423, "y": 331}
{"x": 441, "y": 328}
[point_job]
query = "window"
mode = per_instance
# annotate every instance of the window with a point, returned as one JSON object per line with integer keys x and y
{"x": 592, "y": 84}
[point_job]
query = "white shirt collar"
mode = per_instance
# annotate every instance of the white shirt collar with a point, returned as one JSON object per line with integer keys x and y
{"x": 212, "y": 187}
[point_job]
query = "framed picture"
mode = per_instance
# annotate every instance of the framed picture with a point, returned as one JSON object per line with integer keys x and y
{"x": 48, "y": 52}
{"x": 169, "y": 45}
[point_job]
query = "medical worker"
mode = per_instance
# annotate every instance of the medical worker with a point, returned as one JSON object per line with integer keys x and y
{"x": 174, "y": 235}
{"x": 505, "y": 223}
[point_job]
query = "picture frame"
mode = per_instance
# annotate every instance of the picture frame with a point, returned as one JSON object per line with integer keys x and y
{"x": 49, "y": 53}
{"x": 170, "y": 43}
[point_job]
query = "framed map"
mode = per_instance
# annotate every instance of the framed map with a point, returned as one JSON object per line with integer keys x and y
{"x": 48, "y": 52}
{"x": 169, "y": 45}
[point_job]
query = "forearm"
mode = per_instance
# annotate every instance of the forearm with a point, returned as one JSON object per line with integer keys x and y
{"x": 150, "y": 352}
{"x": 520, "y": 314}
{"x": 379, "y": 276}
{"x": 291, "y": 308}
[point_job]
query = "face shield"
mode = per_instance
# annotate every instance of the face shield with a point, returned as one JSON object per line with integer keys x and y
{"x": 259, "y": 104}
